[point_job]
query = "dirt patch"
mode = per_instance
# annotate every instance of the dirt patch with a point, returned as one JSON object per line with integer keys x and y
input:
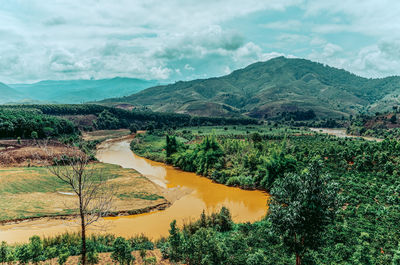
{"x": 104, "y": 134}
{"x": 82, "y": 121}
{"x": 34, "y": 155}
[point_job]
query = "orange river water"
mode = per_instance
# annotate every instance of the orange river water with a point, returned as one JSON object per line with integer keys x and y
{"x": 197, "y": 194}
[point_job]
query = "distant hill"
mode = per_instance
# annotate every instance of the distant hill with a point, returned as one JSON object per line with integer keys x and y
{"x": 7, "y": 93}
{"x": 78, "y": 91}
{"x": 267, "y": 89}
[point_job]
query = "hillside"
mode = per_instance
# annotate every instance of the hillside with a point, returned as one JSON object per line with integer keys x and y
{"x": 78, "y": 91}
{"x": 7, "y": 93}
{"x": 266, "y": 89}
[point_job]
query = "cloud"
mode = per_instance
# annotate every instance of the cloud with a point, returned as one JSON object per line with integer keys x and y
{"x": 154, "y": 39}
{"x": 73, "y": 39}
{"x": 283, "y": 25}
{"x": 54, "y": 21}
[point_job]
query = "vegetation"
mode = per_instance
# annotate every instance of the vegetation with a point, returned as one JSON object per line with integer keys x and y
{"x": 115, "y": 118}
{"x": 268, "y": 89}
{"x": 63, "y": 246}
{"x": 32, "y": 124}
{"x": 93, "y": 192}
{"x": 302, "y": 206}
{"x": 358, "y": 227}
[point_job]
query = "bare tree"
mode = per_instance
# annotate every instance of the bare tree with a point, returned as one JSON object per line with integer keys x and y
{"x": 91, "y": 187}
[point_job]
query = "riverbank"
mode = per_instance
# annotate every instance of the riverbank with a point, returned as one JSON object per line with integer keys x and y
{"x": 189, "y": 194}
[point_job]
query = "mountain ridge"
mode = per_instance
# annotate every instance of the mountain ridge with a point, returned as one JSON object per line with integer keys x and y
{"x": 266, "y": 89}
{"x": 79, "y": 90}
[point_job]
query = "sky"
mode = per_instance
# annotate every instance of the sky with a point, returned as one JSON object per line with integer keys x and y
{"x": 170, "y": 40}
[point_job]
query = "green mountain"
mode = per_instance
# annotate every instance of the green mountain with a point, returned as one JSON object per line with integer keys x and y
{"x": 266, "y": 89}
{"x": 7, "y": 93}
{"x": 77, "y": 91}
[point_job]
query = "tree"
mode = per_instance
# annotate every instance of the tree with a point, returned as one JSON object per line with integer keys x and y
{"x": 396, "y": 256}
{"x": 171, "y": 145}
{"x": 34, "y": 135}
{"x": 174, "y": 242}
{"x": 23, "y": 254}
{"x": 6, "y": 253}
{"x": 36, "y": 249}
{"x": 133, "y": 128}
{"x": 393, "y": 119}
{"x": 91, "y": 187}
{"x": 301, "y": 207}
{"x": 122, "y": 251}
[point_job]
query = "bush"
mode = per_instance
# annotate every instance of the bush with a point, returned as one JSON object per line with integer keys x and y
{"x": 122, "y": 251}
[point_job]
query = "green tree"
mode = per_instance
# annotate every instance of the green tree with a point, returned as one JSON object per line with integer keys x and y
{"x": 257, "y": 258}
{"x": 6, "y": 253}
{"x": 224, "y": 220}
{"x": 275, "y": 166}
{"x": 122, "y": 251}
{"x": 396, "y": 256}
{"x": 34, "y": 135}
{"x": 23, "y": 254}
{"x": 133, "y": 128}
{"x": 92, "y": 256}
{"x": 171, "y": 145}
{"x": 205, "y": 247}
{"x": 301, "y": 207}
{"x": 63, "y": 257}
{"x": 36, "y": 249}
{"x": 393, "y": 119}
{"x": 174, "y": 242}
{"x": 107, "y": 121}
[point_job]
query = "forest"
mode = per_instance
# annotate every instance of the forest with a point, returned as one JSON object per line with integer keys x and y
{"x": 32, "y": 123}
{"x": 114, "y": 118}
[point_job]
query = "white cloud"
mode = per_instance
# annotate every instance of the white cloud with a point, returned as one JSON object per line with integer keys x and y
{"x": 286, "y": 25}
{"x": 74, "y": 39}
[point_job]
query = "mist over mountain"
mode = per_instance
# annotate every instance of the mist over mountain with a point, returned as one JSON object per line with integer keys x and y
{"x": 74, "y": 91}
{"x": 7, "y": 93}
{"x": 266, "y": 89}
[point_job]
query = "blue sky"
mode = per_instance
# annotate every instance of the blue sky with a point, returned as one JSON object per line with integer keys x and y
{"x": 181, "y": 40}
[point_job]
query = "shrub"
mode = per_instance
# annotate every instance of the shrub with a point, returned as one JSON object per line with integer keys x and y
{"x": 122, "y": 251}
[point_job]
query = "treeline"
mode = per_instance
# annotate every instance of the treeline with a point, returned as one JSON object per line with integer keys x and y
{"x": 298, "y": 115}
{"x": 115, "y": 118}
{"x": 32, "y": 123}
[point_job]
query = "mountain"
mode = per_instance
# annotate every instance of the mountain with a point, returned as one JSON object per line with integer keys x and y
{"x": 77, "y": 91}
{"x": 7, "y": 93}
{"x": 266, "y": 89}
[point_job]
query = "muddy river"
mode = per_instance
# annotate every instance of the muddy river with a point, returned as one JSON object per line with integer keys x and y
{"x": 189, "y": 193}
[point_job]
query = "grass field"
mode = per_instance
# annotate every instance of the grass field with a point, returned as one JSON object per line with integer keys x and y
{"x": 28, "y": 192}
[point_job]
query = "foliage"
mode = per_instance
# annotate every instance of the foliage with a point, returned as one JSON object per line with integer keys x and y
{"x": 106, "y": 118}
{"x": 32, "y": 124}
{"x": 122, "y": 251}
{"x": 302, "y": 206}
